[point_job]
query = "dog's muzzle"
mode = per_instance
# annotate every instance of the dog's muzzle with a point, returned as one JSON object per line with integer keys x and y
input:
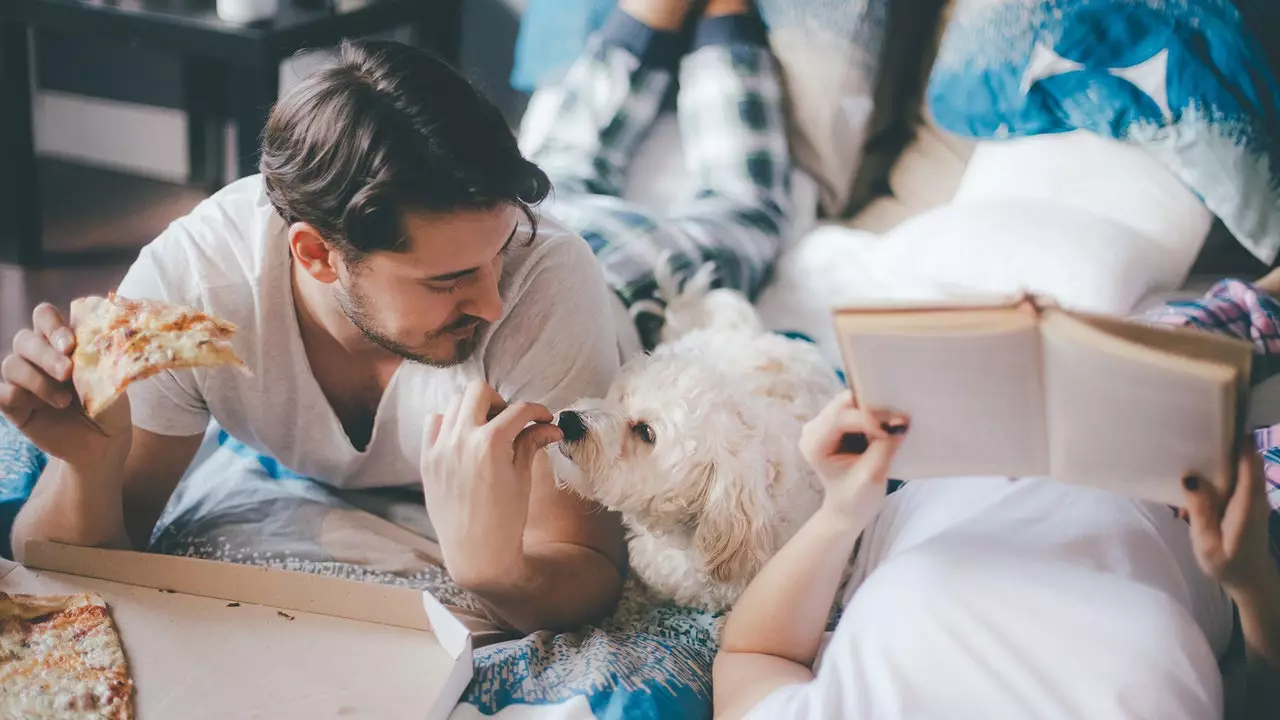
{"x": 572, "y": 426}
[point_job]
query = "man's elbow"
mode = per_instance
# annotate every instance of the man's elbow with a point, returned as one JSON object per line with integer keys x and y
{"x": 562, "y": 593}
{"x": 30, "y": 525}
{"x": 606, "y": 594}
{"x": 593, "y": 599}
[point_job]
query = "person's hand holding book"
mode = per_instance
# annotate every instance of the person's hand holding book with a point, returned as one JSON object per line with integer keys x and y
{"x": 1229, "y": 530}
{"x": 850, "y": 449}
{"x": 1230, "y": 538}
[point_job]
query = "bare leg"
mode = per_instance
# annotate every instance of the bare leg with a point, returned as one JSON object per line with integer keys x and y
{"x": 662, "y": 15}
{"x": 1270, "y": 283}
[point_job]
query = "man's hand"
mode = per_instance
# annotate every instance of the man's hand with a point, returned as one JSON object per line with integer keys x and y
{"x": 477, "y": 464}
{"x": 850, "y": 450}
{"x": 1229, "y": 533}
{"x": 38, "y": 395}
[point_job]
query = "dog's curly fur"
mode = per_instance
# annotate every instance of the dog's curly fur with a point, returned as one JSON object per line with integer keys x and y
{"x": 696, "y": 446}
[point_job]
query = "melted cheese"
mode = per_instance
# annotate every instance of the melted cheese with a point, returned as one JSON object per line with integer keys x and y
{"x": 120, "y": 341}
{"x": 67, "y": 663}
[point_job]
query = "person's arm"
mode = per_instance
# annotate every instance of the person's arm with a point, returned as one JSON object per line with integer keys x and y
{"x": 1259, "y": 608}
{"x": 574, "y": 561}
{"x": 534, "y": 559}
{"x": 1229, "y": 536}
{"x": 772, "y": 635}
{"x": 111, "y": 503}
{"x": 109, "y": 478}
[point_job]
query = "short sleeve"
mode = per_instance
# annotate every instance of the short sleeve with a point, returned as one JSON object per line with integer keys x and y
{"x": 559, "y": 341}
{"x": 791, "y": 701}
{"x": 171, "y": 402}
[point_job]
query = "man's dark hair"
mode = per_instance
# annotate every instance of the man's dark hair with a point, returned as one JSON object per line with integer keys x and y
{"x": 390, "y": 128}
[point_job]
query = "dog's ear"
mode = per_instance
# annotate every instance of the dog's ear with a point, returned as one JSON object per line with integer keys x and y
{"x": 734, "y": 533}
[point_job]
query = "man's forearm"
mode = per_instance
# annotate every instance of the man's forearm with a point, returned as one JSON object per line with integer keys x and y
{"x": 559, "y": 586}
{"x": 75, "y": 506}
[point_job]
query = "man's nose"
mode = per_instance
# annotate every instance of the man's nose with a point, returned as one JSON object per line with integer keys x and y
{"x": 484, "y": 301}
{"x": 572, "y": 426}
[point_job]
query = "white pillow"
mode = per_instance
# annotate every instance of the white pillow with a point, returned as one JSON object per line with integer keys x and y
{"x": 1094, "y": 223}
{"x": 1007, "y": 245}
{"x": 1098, "y": 175}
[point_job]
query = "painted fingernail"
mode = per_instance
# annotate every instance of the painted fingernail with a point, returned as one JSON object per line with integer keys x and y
{"x": 62, "y": 341}
{"x": 1191, "y": 482}
{"x": 852, "y": 444}
{"x": 897, "y": 427}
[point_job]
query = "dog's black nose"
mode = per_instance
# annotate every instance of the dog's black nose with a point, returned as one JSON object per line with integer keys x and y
{"x": 572, "y": 426}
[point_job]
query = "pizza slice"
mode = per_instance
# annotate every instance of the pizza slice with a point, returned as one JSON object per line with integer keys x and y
{"x": 120, "y": 341}
{"x": 61, "y": 657}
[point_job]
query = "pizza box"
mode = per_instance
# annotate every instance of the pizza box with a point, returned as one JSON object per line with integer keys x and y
{"x": 207, "y": 639}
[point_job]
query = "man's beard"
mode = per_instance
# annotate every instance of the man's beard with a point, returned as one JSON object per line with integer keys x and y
{"x": 356, "y": 307}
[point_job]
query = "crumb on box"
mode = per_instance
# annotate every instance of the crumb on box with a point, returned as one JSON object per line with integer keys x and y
{"x": 233, "y": 604}
{"x": 285, "y": 615}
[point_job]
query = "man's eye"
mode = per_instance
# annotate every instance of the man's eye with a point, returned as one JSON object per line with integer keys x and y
{"x": 444, "y": 289}
{"x": 644, "y": 432}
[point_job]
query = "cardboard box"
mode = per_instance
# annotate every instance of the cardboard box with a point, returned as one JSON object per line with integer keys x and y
{"x": 218, "y": 640}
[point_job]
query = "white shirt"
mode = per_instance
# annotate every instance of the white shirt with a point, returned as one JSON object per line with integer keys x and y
{"x": 985, "y": 598}
{"x": 556, "y": 342}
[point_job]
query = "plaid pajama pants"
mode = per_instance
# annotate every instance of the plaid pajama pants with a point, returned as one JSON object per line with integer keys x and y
{"x": 1238, "y": 309}
{"x": 731, "y": 120}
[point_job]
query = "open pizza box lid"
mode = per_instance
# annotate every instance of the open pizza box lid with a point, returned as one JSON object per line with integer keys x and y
{"x": 207, "y": 639}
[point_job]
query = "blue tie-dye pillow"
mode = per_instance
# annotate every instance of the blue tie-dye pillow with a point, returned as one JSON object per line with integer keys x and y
{"x": 1187, "y": 80}
{"x": 20, "y": 466}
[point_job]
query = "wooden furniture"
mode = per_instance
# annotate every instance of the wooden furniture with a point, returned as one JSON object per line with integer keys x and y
{"x": 230, "y": 72}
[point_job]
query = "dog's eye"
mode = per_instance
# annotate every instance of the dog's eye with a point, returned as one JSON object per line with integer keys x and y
{"x": 644, "y": 432}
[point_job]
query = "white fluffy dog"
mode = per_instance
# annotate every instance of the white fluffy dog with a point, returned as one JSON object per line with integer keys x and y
{"x": 696, "y": 446}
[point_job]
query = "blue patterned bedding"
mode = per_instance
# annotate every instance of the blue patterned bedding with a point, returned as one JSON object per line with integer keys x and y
{"x": 1191, "y": 82}
{"x": 240, "y": 507}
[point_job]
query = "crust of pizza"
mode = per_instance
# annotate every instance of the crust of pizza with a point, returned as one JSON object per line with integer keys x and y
{"x": 120, "y": 341}
{"x": 61, "y": 657}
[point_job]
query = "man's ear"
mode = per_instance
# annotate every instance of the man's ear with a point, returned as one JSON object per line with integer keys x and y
{"x": 313, "y": 253}
{"x": 735, "y": 532}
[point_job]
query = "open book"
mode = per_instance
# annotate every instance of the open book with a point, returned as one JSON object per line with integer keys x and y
{"x": 1023, "y": 388}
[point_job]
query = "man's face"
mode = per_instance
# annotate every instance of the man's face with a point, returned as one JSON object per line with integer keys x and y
{"x": 433, "y": 303}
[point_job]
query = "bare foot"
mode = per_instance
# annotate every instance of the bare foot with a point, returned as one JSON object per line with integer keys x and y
{"x": 716, "y": 8}
{"x": 663, "y": 15}
{"x": 1270, "y": 283}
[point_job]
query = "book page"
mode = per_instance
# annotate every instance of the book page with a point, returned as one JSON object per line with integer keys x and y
{"x": 1187, "y": 342}
{"x": 974, "y": 396}
{"x": 1131, "y": 419}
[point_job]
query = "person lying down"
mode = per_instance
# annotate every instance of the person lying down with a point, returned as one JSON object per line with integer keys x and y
{"x": 996, "y": 598}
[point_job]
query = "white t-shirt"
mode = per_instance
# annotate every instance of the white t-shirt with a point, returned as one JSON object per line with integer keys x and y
{"x": 985, "y": 598}
{"x": 556, "y": 342}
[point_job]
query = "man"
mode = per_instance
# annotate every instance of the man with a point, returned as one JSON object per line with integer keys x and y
{"x": 394, "y": 289}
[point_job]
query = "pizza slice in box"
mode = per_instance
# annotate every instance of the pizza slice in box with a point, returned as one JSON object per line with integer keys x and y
{"x": 61, "y": 657}
{"x": 120, "y": 341}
